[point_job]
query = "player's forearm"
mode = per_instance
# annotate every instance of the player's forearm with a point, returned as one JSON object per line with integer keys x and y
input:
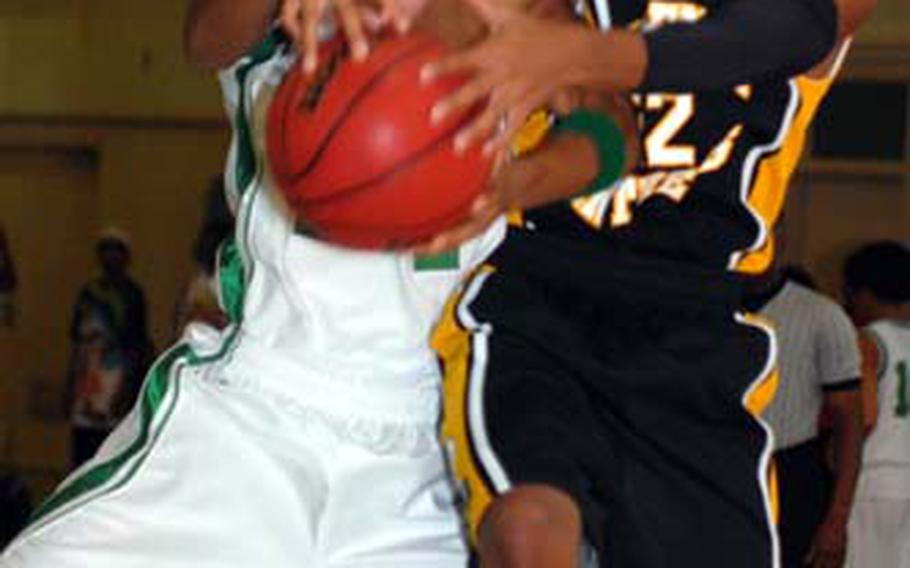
{"x": 568, "y": 163}
{"x": 452, "y": 21}
{"x": 740, "y": 42}
{"x": 556, "y": 172}
{"x": 218, "y": 32}
{"x": 847, "y": 440}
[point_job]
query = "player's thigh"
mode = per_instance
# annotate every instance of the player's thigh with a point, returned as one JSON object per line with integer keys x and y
{"x": 184, "y": 482}
{"x": 513, "y": 413}
{"x": 690, "y": 477}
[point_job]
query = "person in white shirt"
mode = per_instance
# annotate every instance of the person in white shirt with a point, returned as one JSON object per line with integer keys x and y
{"x": 819, "y": 364}
{"x": 877, "y": 293}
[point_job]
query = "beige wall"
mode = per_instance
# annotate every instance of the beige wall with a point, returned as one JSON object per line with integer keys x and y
{"x": 829, "y": 215}
{"x": 151, "y": 182}
{"x": 105, "y": 124}
{"x": 47, "y": 204}
{"x": 889, "y": 24}
{"x": 123, "y": 58}
{"x": 98, "y": 58}
{"x": 53, "y": 201}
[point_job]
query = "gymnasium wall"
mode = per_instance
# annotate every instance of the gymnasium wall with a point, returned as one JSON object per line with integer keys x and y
{"x": 830, "y": 215}
{"x": 102, "y": 122}
{"x": 89, "y": 59}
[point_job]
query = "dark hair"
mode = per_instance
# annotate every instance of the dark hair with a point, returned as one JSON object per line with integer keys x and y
{"x": 217, "y": 225}
{"x": 105, "y": 244}
{"x": 883, "y": 268}
{"x": 15, "y": 506}
{"x": 800, "y": 275}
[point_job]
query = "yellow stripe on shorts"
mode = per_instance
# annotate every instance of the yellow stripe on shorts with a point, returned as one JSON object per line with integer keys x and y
{"x": 453, "y": 344}
{"x": 757, "y": 400}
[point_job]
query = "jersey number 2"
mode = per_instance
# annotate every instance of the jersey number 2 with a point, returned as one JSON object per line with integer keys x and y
{"x": 659, "y": 146}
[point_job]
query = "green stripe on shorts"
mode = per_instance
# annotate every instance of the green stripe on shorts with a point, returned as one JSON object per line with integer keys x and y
{"x": 157, "y": 386}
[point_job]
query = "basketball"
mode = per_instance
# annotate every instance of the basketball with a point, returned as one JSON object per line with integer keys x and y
{"x": 354, "y": 153}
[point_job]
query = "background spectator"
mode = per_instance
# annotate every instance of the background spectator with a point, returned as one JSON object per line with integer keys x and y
{"x": 15, "y": 507}
{"x": 199, "y": 302}
{"x": 799, "y": 274}
{"x": 877, "y": 291}
{"x": 111, "y": 347}
{"x": 7, "y": 282}
{"x": 819, "y": 366}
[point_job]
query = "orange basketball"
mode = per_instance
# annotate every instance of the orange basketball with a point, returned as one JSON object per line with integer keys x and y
{"x": 354, "y": 153}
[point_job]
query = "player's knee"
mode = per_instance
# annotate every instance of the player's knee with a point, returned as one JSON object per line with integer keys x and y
{"x": 516, "y": 522}
{"x": 531, "y": 526}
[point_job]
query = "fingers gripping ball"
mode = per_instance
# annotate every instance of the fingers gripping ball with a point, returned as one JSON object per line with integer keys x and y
{"x": 354, "y": 153}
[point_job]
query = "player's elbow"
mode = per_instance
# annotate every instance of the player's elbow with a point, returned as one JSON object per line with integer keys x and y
{"x": 215, "y": 34}
{"x": 852, "y": 14}
{"x": 201, "y": 45}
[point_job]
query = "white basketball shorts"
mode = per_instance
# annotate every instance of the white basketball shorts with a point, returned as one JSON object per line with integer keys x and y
{"x": 215, "y": 469}
{"x": 879, "y": 534}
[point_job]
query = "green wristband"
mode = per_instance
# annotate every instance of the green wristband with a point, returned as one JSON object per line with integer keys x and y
{"x": 609, "y": 141}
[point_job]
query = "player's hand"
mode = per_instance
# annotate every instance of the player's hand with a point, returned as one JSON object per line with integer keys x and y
{"x": 484, "y": 211}
{"x": 829, "y": 546}
{"x": 553, "y": 173}
{"x": 518, "y": 69}
{"x": 301, "y": 20}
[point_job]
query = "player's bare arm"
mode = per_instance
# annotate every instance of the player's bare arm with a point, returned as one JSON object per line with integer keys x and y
{"x": 788, "y": 36}
{"x": 559, "y": 169}
{"x": 218, "y": 32}
{"x": 301, "y": 19}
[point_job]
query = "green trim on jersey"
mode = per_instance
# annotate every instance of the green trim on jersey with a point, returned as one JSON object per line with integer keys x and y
{"x": 231, "y": 280}
{"x": 443, "y": 261}
{"x": 246, "y": 168}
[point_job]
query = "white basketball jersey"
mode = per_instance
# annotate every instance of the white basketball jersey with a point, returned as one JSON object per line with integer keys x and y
{"x": 350, "y": 315}
{"x": 886, "y": 454}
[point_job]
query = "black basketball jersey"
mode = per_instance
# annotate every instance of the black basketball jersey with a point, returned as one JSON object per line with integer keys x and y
{"x": 715, "y": 164}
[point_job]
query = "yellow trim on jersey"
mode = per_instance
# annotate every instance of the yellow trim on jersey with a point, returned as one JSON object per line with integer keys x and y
{"x": 589, "y": 14}
{"x": 452, "y": 344}
{"x": 532, "y": 133}
{"x": 763, "y": 394}
{"x": 772, "y": 178}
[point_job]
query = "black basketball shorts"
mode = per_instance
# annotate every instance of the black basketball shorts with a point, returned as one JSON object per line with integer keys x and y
{"x": 633, "y": 386}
